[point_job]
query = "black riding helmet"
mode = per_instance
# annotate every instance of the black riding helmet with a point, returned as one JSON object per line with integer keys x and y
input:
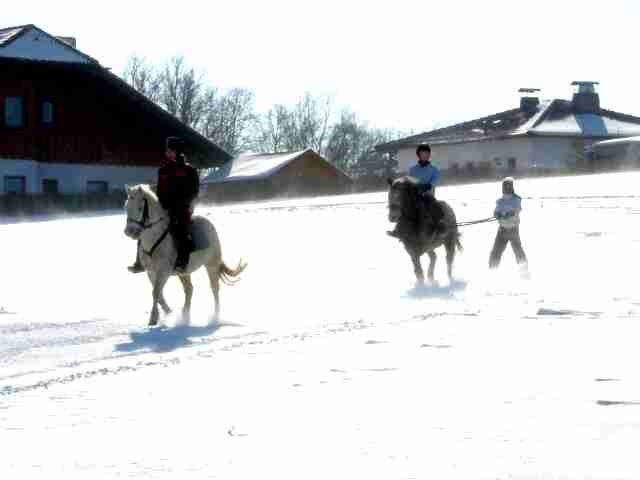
{"x": 176, "y": 144}
{"x": 425, "y": 147}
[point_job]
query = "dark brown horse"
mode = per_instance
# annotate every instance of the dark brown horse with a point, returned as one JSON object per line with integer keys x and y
{"x": 415, "y": 226}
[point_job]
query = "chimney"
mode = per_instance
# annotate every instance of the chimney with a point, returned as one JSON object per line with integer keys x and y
{"x": 71, "y": 41}
{"x": 586, "y": 99}
{"x": 528, "y": 102}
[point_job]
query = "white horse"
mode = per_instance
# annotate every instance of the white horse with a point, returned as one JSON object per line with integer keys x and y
{"x": 148, "y": 222}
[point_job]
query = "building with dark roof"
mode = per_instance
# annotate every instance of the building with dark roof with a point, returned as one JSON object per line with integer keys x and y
{"x": 69, "y": 125}
{"x": 547, "y": 134}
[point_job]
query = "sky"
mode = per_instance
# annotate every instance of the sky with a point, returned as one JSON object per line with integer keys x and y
{"x": 403, "y": 65}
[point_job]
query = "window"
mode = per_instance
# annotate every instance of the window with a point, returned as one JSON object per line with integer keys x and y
{"x": 50, "y": 185}
{"x": 511, "y": 163}
{"x": 46, "y": 112}
{"x": 13, "y": 112}
{"x": 97, "y": 187}
{"x": 15, "y": 184}
{"x": 497, "y": 161}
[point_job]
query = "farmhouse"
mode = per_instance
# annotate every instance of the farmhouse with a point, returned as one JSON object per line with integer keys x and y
{"x": 548, "y": 135}
{"x": 69, "y": 125}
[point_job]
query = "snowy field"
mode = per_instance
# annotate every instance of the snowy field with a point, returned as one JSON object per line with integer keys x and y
{"x": 328, "y": 362}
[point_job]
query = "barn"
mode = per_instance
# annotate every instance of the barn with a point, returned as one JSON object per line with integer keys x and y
{"x": 269, "y": 175}
{"x": 70, "y": 126}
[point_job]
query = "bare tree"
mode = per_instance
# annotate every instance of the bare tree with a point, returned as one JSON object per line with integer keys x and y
{"x": 347, "y": 141}
{"x": 228, "y": 118}
{"x": 143, "y": 77}
{"x": 182, "y": 92}
{"x": 371, "y": 162}
{"x": 270, "y": 130}
{"x": 352, "y": 144}
{"x": 309, "y": 125}
{"x": 304, "y": 125}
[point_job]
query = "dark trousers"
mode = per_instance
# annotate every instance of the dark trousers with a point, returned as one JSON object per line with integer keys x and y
{"x": 430, "y": 206}
{"x": 179, "y": 227}
{"x": 504, "y": 236}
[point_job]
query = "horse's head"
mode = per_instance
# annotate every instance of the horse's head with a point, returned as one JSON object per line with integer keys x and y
{"x": 137, "y": 210}
{"x": 401, "y": 199}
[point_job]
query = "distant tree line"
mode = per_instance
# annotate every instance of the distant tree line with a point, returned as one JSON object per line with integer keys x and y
{"x": 229, "y": 119}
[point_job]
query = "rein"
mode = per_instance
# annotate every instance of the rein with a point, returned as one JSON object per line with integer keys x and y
{"x": 145, "y": 226}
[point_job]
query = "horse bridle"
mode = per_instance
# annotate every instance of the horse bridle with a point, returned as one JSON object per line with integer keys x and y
{"x": 408, "y": 198}
{"x": 145, "y": 216}
{"x": 144, "y": 226}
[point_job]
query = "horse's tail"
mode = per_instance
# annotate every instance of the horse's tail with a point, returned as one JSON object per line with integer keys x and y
{"x": 229, "y": 275}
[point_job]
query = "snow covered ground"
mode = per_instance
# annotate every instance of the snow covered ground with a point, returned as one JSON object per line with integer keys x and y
{"x": 328, "y": 361}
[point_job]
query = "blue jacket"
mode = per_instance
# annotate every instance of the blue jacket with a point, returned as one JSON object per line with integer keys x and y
{"x": 507, "y": 210}
{"x": 428, "y": 174}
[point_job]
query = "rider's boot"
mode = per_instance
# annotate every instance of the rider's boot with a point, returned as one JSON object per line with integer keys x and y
{"x": 136, "y": 267}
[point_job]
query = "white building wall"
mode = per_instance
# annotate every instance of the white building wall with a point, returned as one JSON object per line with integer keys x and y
{"x": 74, "y": 178}
{"x": 556, "y": 152}
{"x": 546, "y": 152}
{"x": 477, "y": 153}
{"x": 20, "y": 168}
{"x": 36, "y": 45}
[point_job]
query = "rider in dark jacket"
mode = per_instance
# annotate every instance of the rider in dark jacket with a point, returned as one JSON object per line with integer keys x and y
{"x": 178, "y": 186}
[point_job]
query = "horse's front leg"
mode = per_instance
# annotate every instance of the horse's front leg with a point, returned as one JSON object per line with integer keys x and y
{"x": 451, "y": 254}
{"x": 158, "y": 285}
{"x": 161, "y": 300}
{"x": 417, "y": 266}
{"x": 432, "y": 264}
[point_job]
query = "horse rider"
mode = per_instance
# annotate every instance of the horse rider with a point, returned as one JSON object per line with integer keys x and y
{"x": 178, "y": 186}
{"x": 428, "y": 176}
{"x": 507, "y": 211}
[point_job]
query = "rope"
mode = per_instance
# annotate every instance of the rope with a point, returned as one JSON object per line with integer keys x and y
{"x": 475, "y": 222}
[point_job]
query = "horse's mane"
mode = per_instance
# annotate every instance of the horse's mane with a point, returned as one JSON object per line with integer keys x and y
{"x": 406, "y": 180}
{"x": 148, "y": 192}
{"x": 408, "y": 187}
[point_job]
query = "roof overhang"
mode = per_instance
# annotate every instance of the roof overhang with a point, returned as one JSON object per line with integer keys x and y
{"x": 203, "y": 152}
